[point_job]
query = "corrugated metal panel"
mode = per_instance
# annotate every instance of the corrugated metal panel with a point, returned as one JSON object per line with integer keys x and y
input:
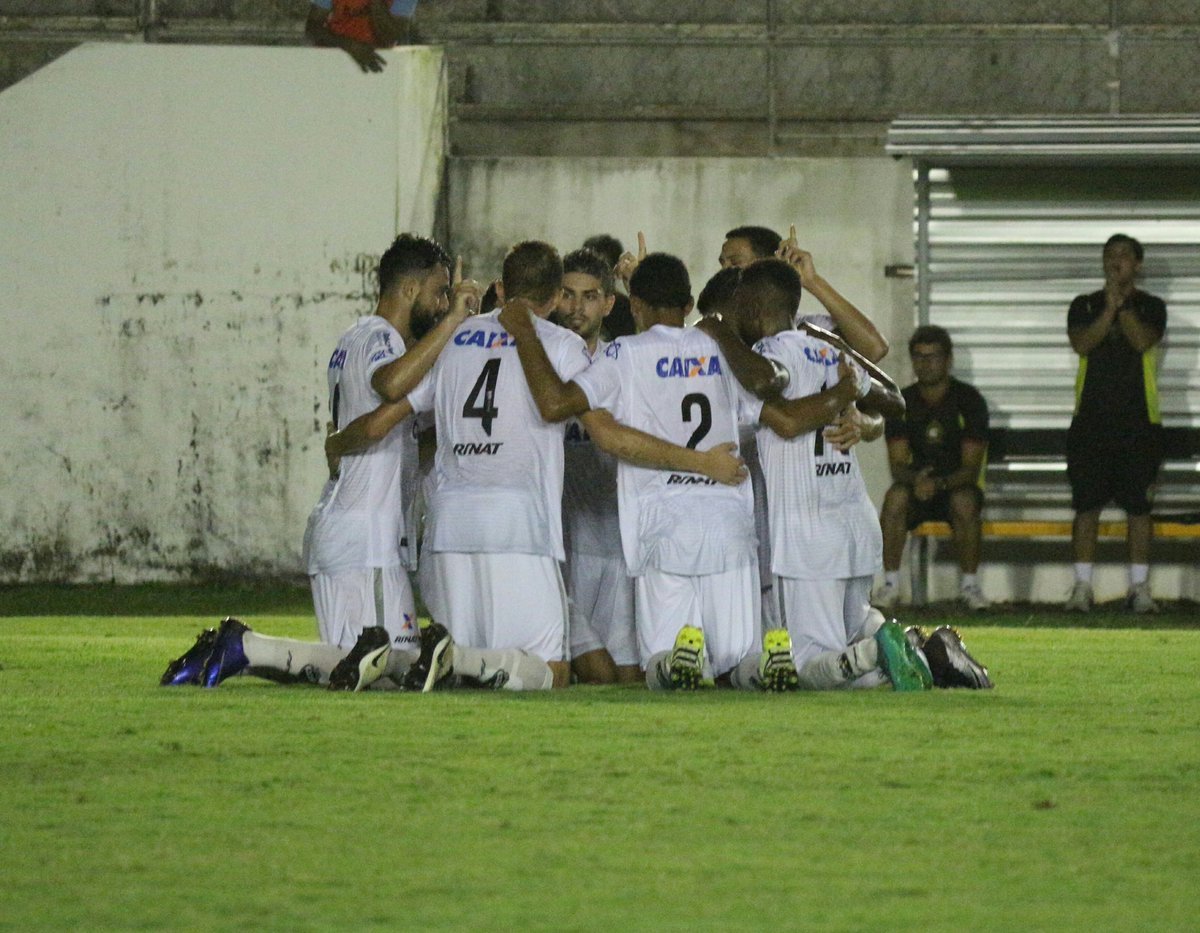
{"x": 1063, "y": 140}
{"x": 1003, "y": 250}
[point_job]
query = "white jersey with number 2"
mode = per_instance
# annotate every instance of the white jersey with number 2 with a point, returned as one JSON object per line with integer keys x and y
{"x": 673, "y": 383}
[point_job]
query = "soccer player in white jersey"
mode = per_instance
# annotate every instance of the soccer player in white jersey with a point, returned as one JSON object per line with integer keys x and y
{"x": 493, "y": 541}
{"x": 355, "y": 535}
{"x": 825, "y": 539}
{"x": 603, "y": 640}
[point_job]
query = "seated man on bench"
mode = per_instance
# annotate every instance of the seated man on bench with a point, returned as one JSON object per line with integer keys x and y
{"x": 936, "y": 453}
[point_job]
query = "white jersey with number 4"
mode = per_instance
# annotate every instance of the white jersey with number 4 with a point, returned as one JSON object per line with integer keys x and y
{"x": 498, "y": 474}
{"x": 359, "y": 521}
{"x": 673, "y": 383}
{"x": 823, "y": 524}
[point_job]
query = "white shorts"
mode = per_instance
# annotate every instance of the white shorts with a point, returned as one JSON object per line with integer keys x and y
{"x": 601, "y": 603}
{"x": 823, "y": 615}
{"x": 724, "y": 605}
{"x": 346, "y": 603}
{"x": 499, "y": 600}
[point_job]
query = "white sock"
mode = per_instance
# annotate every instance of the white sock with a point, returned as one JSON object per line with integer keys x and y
{"x": 398, "y": 664}
{"x": 306, "y": 660}
{"x": 658, "y": 674}
{"x": 871, "y": 624}
{"x": 831, "y": 670}
{"x": 1138, "y": 574}
{"x": 969, "y": 579}
{"x": 891, "y": 578}
{"x": 511, "y": 669}
{"x": 1083, "y": 573}
{"x": 745, "y": 675}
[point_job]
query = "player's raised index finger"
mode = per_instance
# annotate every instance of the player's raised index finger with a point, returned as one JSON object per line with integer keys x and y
{"x": 641, "y": 246}
{"x": 792, "y": 234}
{"x": 457, "y": 270}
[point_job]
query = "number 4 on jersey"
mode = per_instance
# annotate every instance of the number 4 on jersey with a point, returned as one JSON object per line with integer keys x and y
{"x": 485, "y": 387}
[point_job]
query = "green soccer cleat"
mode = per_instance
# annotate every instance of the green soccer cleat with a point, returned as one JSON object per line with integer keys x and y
{"x": 365, "y": 663}
{"x": 776, "y": 666}
{"x": 905, "y": 667}
{"x": 686, "y": 667}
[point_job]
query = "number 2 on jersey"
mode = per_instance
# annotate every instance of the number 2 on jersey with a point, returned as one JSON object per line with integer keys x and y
{"x": 697, "y": 400}
{"x": 485, "y": 386}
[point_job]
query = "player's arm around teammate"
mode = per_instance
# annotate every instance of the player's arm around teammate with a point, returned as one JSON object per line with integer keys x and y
{"x": 557, "y": 400}
{"x": 398, "y": 378}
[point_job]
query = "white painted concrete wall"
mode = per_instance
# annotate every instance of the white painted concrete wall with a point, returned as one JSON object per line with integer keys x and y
{"x": 186, "y": 230}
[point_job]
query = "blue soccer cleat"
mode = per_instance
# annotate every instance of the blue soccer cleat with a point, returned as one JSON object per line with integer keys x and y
{"x": 227, "y": 657}
{"x": 187, "y": 668}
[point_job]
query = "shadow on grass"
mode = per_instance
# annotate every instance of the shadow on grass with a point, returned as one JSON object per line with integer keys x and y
{"x": 287, "y": 598}
{"x": 1172, "y": 615}
{"x": 156, "y": 599}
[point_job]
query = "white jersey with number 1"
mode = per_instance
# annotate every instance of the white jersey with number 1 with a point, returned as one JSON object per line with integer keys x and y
{"x": 823, "y": 524}
{"x": 498, "y": 473}
{"x": 359, "y": 522}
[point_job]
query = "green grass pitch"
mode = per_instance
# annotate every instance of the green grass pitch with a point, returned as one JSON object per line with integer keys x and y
{"x": 1067, "y": 798}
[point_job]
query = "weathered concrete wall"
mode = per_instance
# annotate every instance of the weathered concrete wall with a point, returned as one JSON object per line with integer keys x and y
{"x": 187, "y": 229}
{"x": 854, "y": 215}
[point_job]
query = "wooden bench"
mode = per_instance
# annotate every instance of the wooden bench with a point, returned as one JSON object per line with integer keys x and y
{"x": 924, "y": 535}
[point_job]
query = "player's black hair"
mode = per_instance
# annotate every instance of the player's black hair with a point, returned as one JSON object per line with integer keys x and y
{"x": 717, "y": 293}
{"x": 490, "y": 299}
{"x": 607, "y": 246}
{"x": 409, "y": 254}
{"x": 589, "y": 262}
{"x": 1118, "y": 238}
{"x": 931, "y": 333}
{"x": 532, "y": 270}
{"x": 763, "y": 240}
{"x": 619, "y": 322}
{"x": 661, "y": 280}
{"x": 776, "y": 285}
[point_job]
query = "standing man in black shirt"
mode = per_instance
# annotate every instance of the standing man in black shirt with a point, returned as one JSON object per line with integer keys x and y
{"x": 1115, "y": 446}
{"x": 936, "y": 453}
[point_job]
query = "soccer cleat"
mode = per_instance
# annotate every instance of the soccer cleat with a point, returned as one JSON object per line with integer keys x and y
{"x": 950, "y": 662}
{"x": 187, "y": 668}
{"x": 686, "y": 667}
{"x": 916, "y": 637}
{"x": 365, "y": 663}
{"x": 1140, "y": 601}
{"x": 886, "y": 596}
{"x": 972, "y": 597}
{"x": 1081, "y": 597}
{"x": 905, "y": 667}
{"x": 227, "y": 657}
{"x": 776, "y": 666}
{"x": 435, "y": 661}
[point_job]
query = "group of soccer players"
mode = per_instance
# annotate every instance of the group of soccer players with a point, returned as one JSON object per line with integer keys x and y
{"x": 648, "y": 433}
